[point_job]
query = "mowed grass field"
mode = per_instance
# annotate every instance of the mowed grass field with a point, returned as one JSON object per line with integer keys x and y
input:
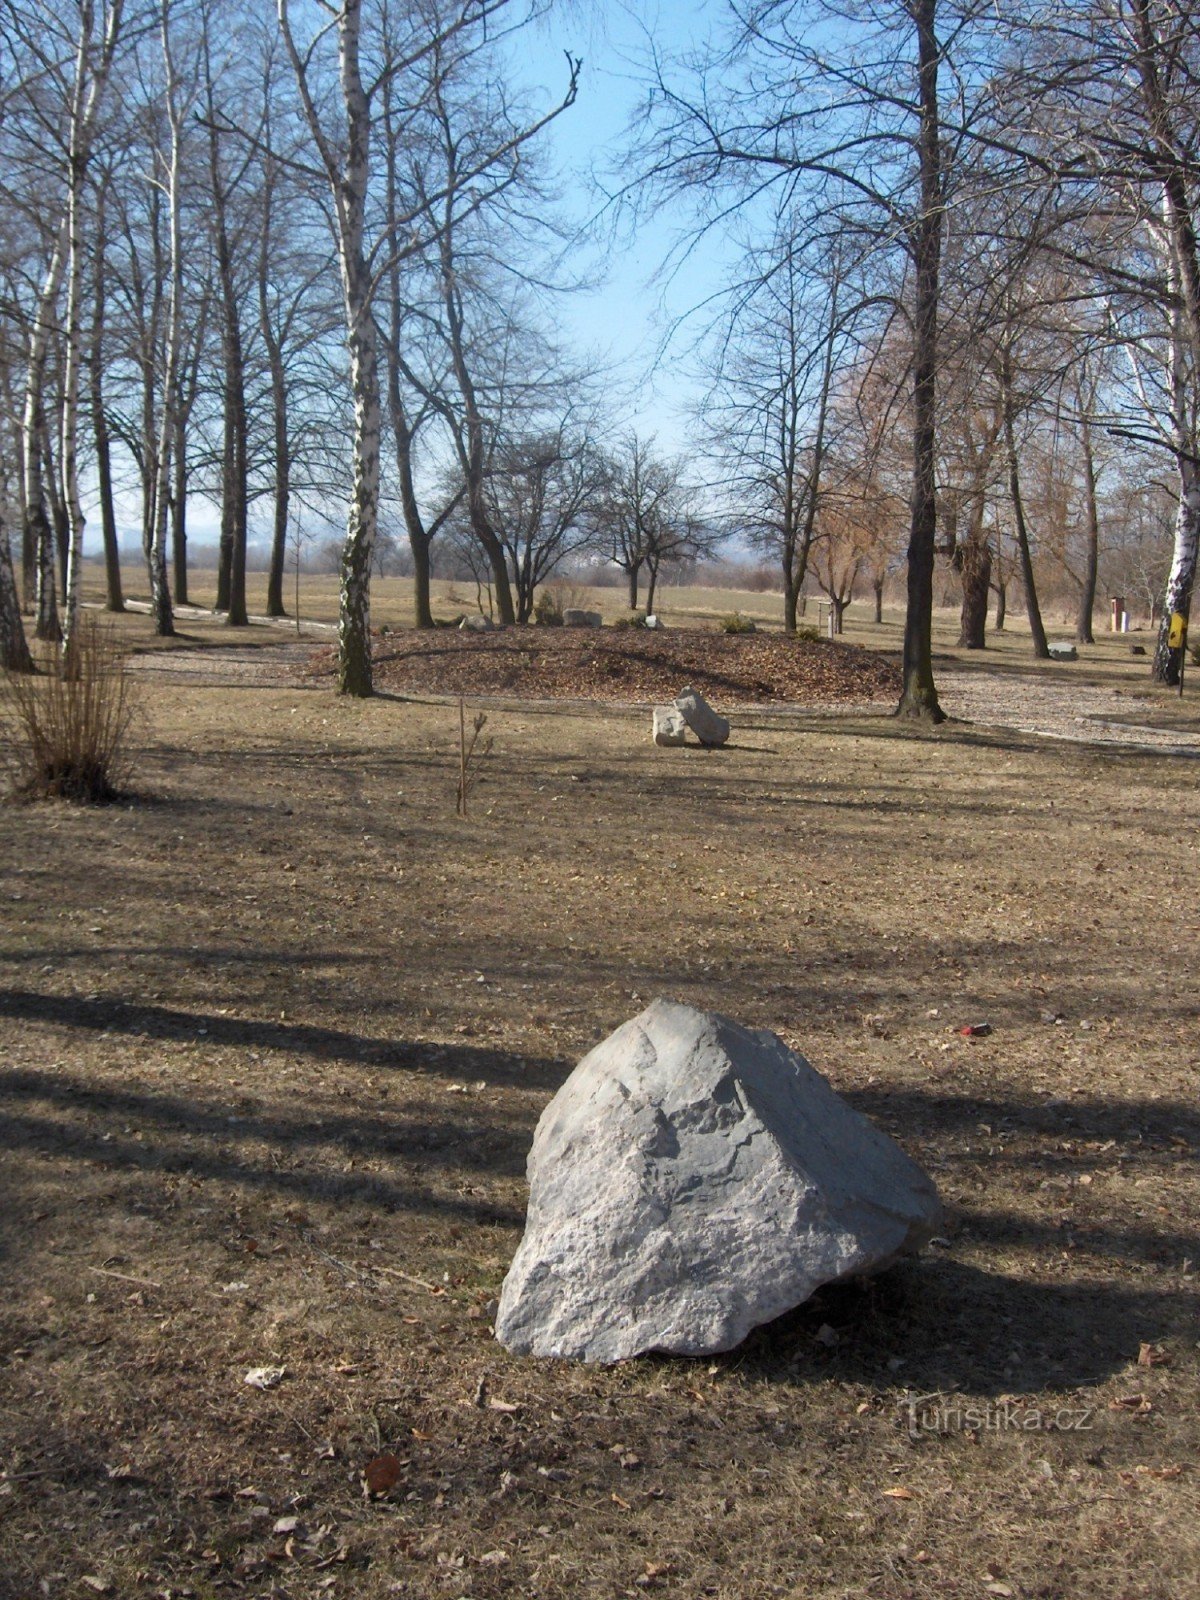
{"x": 275, "y": 1033}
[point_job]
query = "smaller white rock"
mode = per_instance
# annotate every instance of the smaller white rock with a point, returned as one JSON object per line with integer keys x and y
{"x": 655, "y": 623}
{"x": 669, "y": 726}
{"x": 265, "y": 1377}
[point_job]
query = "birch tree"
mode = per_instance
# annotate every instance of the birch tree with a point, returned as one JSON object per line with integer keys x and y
{"x": 412, "y": 50}
{"x": 92, "y": 69}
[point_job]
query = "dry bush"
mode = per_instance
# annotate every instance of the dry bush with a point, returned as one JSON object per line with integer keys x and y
{"x": 67, "y": 731}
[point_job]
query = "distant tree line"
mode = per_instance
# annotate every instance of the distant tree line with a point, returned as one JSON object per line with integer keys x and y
{"x": 298, "y": 257}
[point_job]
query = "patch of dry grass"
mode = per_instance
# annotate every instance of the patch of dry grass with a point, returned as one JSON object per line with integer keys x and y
{"x": 274, "y": 1040}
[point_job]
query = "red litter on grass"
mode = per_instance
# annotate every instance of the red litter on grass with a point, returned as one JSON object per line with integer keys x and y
{"x": 975, "y": 1030}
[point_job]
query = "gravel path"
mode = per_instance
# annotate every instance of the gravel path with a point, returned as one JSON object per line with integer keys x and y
{"x": 1078, "y": 712}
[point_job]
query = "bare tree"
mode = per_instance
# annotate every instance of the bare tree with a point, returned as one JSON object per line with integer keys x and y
{"x": 651, "y": 516}
{"x": 820, "y": 106}
{"x": 412, "y": 50}
{"x": 767, "y": 416}
{"x": 93, "y": 65}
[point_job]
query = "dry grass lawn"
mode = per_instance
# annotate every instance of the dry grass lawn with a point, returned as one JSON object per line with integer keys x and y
{"x": 274, "y": 1037}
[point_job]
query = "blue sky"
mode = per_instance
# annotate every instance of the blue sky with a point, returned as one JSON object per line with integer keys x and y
{"x": 628, "y": 312}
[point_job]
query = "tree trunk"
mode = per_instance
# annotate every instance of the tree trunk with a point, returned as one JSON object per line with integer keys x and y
{"x": 877, "y": 586}
{"x": 71, "y": 538}
{"x": 1001, "y": 605}
{"x": 279, "y": 534}
{"x": 235, "y": 498}
{"x": 791, "y": 598}
{"x": 283, "y": 473}
{"x": 652, "y": 587}
{"x": 473, "y": 454}
{"x": 919, "y": 695}
{"x": 231, "y": 567}
{"x": 348, "y": 173}
{"x": 354, "y": 612}
{"x": 37, "y": 550}
{"x": 1091, "y": 563}
{"x": 179, "y": 468}
{"x": 1167, "y": 665}
{"x": 115, "y": 599}
{"x": 419, "y": 538}
{"x": 1040, "y": 647}
{"x": 634, "y": 572}
{"x": 49, "y": 546}
{"x": 974, "y": 562}
{"x": 156, "y": 553}
{"x": 14, "y": 647}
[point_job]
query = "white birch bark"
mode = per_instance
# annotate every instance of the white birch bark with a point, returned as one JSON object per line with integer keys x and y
{"x": 348, "y": 178}
{"x": 37, "y": 517}
{"x": 160, "y": 589}
{"x": 1168, "y": 660}
{"x": 87, "y": 94}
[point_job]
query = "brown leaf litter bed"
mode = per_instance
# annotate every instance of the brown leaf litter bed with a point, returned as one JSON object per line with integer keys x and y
{"x": 625, "y": 665}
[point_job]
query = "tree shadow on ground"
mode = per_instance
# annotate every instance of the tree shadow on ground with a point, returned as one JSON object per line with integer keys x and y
{"x": 139, "y": 1018}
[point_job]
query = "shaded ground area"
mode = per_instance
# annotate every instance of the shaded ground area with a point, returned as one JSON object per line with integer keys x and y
{"x": 631, "y": 664}
{"x": 273, "y": 1041}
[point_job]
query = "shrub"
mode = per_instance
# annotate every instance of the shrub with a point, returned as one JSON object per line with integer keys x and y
{"x": 547, "y": 609}
{"x": 737, "y": 623}
{"x": 808, "y": 634}
{"x": 635, "y": 619}
{"x": 68, "y": 731}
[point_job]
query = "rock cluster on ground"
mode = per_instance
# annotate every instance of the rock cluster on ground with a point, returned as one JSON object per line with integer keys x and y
{"x": 700, "y": 717}
{"x": 574, "y": 618}
{"x": 691, "y": 1180}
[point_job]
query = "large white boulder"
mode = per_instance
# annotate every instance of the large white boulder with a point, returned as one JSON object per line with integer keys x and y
{"x": 691, "y": 1180}
{"x": 700, "y": 717}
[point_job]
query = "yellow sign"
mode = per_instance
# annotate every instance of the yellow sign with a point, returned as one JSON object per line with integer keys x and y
{"x": 1177, "y": 637}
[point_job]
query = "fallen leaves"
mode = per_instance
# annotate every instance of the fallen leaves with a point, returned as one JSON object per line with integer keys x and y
{"x": 381, "y": 1474}
{"x": 607, "y": 665}
{"x": 1135, "y": 1404}
{"x": 653, "y": 1574}
{"x": 1153, "y": 1355}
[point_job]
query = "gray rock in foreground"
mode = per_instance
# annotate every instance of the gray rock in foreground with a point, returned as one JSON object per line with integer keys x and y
{"x": 575, "y": 618}
{"x": 691, "y": 1180}
{"x": 1062, "y": 650}
{"x": 668, "y": 726}
{"x": 700, "y": 717}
